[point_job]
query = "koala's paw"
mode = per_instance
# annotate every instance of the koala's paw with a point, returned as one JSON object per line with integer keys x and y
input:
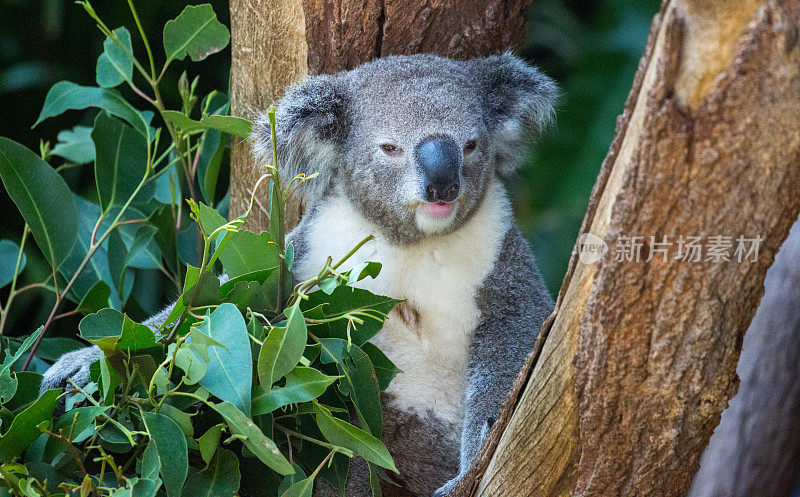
{"x": 445, "y": 489}
{"x": 70, "y": 366}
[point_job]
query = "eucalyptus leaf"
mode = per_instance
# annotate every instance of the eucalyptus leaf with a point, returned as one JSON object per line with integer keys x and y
{"x": 95, "y": 299}
{"x": 230, "y": 372}
{"x": 8, "y": 383}
{"x": 342, "y": 433}
{"x": 171, "y": 449}
{"x": 75, "y": 145}
{"x": 121, "y": 162}
{"x": 302, "y": 488}
{"x": 385, "y": 370}
{"x": 43, "y": 199}
{"x": 282, "y": 349}
{"x": 209, "y": 442}
{"x": 220, "y": 479}
{"x": 302, "y": 385}
{"x": 23, "y": 430}
{"x": 226, "y": 124}
{"x": 344, "y": 299}
{"x": 8, "y": 261}
{"x": 253, "y": 438}
{"x": 115, "y": 65}
{"x": 195, "y": 32}
{"x": 65, "y": 95}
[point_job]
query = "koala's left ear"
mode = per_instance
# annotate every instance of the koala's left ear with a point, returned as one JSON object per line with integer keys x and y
{"x": 311, "y": 121}
{"x": 518, "y": 102}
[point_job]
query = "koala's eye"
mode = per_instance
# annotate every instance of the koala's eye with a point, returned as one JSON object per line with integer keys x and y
{"x": 391, "y": 149}
{"x": 470, "y": 146}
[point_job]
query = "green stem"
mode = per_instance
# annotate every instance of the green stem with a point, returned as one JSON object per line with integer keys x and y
{"x": 144, "y": 40}
{"x": 89, "y": 254}
{"x": 328, "y": 446}
{"x": 12, "y": 293}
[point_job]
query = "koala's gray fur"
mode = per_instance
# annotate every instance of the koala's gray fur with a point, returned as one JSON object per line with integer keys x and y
{"x": 470, "y": 283}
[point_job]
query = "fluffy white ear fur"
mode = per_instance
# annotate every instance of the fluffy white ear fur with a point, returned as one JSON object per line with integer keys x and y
{"x": 311, "y": 121}
{"x": 519, "y": 103}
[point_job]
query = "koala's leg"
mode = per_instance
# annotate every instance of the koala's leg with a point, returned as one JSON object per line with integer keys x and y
{"x": 70, "y": 366}
{"x": 75, "y": 365}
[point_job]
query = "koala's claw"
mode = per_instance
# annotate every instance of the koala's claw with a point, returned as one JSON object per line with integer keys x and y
{"x": 71, "y": 366}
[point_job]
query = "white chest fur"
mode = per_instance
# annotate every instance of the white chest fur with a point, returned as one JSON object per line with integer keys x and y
{"x": 438, "y": 277}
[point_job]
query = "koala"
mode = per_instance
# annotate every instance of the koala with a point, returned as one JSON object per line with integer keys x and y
{"x": 412, "y": 150}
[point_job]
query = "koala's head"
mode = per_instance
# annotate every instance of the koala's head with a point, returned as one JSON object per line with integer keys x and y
{"x": 411, "y": 141}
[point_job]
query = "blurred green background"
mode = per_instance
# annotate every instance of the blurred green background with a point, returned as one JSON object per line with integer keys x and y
{"x": 591, "y": 48}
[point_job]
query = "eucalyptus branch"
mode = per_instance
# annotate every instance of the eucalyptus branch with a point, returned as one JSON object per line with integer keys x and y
{"x": 89, "y": 254}
{"x": 144, "y": 39}
{"x": 4, "y": 310}
{"x": 331, "y": 447}
{"x": 328, "y": 270}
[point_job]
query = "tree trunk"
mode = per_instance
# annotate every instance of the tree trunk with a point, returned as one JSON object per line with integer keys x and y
{"x": 755, "y": 450}
{"x": 632, "y": 371}
{"x": 268, "y": 52}
{"x": 277, "y": 42}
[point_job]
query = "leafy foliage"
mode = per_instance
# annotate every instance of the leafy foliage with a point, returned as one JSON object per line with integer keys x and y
{"x": 249, "y": 372}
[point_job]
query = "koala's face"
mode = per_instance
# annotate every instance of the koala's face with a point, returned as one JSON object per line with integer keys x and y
{"x": 413, "y": 141}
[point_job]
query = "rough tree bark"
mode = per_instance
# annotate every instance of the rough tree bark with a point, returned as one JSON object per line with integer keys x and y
{"x": 632, "y": 371}
{"x": 277, "y": 42}
{"x": 755, "y": 450}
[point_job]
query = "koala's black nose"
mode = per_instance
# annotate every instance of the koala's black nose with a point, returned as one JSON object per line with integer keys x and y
{"x": 440, "y": 160}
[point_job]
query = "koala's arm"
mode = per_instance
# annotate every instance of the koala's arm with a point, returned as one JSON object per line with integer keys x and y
{"x": 514, "y": 303}
{"x": 75, "y": 365}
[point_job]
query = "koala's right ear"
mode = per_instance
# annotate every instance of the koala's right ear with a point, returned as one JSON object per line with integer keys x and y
{"x": 312, "y": 125}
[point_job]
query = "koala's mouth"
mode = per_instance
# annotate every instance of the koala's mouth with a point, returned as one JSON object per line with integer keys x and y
{"x": 438, "y": 210}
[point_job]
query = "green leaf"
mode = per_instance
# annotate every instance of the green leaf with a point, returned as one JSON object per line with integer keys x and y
{"x": 385, "y": 369}
{"x": 259, "y": 444}
{"x": 209, "y": 442}
{"x": 109, "y": 381}
{"x": 28, "y": 384}
{"x": 303, "y": 488}
{"x": 345, "y": 299}
{"x": 195, "y": 32}
{"x": 23, "y": 430}
{"x": 344, "y": 434}
{"x": 150, "y": 466}
{"x": 8, "y": 383}
{"x": 109, "y": 328}
{"x": 361, "y": 383}
{"x": 226, "y": 124}
{"x": 75, "y": 145}
{"x": 114, "y": 65}
{"x": 8, "y": 261}
{"x": 302, "y": 385}
{"x": 117, "y": 253}
{"x": 43, "y": 199}
{"x": 220, "y": 479}
{"x": 97, "y": 267}
{"x": 210, "y": 220}
{"x": 191, "y": 363}
{"x": 168, "y": 186}
{"x": 210, "y": 163}
{"x": 230, "y": 372}
{"x": 121, "y": 162}
{"x": 282, "y": 348}
{"x": 95, "y": 299}
{"x": 248, "y": 252}
{"x": 291, "y": 479}
{"x": 66, "y": 95}
{"x": 171, "y": 449}
{"x": 78, "y": 420}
